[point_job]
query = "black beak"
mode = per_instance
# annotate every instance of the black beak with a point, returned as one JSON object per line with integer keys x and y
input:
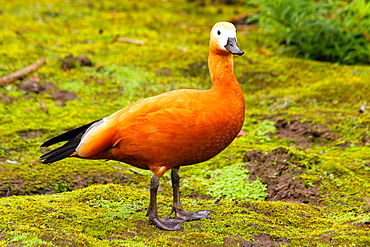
{"x": 232, "y": 47}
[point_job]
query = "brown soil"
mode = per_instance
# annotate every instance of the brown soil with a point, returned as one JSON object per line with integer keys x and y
{"x": 31, "y": 134}
{"x": 31, "y": 87}
{"x": 21, "y": 186}
{"x": 70, "y": 62}
{"x": 38, "y": 87}
{"x": 261, "y": 240}
{"x": 64, "y": 95}
{"x": 281, "y": 176}
{"x": 304, "y": 133}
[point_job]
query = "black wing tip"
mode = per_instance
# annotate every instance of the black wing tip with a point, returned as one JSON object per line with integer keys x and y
{"x": 44, "y": 145}
{"x": 73, "y": 137}
{"x": 69, "y": 135}
{"x": 45, "y": 161}
{"x": 50, "y": 142}
{"x": 61, "y": 152}
{"x": 58, "y": 154}
{"x": 49, "y": 161}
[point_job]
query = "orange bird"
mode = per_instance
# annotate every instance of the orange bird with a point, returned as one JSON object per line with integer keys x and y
{"x": 176, "y": 128}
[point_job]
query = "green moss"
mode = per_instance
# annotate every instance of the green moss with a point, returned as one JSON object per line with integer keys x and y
{"x": 108, "y": 215}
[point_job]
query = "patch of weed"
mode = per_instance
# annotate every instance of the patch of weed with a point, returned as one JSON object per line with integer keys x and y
{"x": 334, "y": 31}
{"x": 231, "y": 182}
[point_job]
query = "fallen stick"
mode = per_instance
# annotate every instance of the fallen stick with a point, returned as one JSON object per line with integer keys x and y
{"x": 43, "y": 106}
{"x": 132, "y": 41}
{"x": 134, "y": 171}
{"x": 21, "y": 73}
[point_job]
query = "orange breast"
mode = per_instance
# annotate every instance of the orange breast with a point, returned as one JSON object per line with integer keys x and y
{"x": 177, "y": 128}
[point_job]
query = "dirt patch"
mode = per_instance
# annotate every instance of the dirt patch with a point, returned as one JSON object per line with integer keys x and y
{"x": 237, "y": 241}
{"x": 58, "y": 238}
{"x": 35, "y": 86}
{"x": 281, "y": 176}
{"x": 266, "y": 240}
{"x": 304, "y": 133}
{"x": 31, "y": 87}
{"x": 70, "y": 62}
{"x": 261, "y": 240}
{"x": 7, "y": 187}
{"x": 81, "y": 181}
{"x": 31, "y": 134}
{"x": 64, "y": 95}
{"x": 22, "y": 186}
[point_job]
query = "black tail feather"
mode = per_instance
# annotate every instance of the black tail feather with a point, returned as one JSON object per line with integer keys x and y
{"x": 73, "y": 137}
{"x": 59, "y": 153}
{"x": 68, "y": 135}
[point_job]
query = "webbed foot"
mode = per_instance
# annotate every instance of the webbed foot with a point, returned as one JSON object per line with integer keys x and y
{"x": 167, "y": 223}
{"x": 188, "y": 216}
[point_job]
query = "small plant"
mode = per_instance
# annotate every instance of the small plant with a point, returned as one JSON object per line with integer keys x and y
{"x": 230, "y": 183}
{"x": 334, "y": 31}
{"x": 263, "y": 129}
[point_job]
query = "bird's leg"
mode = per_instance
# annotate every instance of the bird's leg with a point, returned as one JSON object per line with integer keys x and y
{"x": 164, "y": 223}
{"x": 177, "y": 207}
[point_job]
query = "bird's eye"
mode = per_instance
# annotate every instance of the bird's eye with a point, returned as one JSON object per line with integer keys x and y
{"x": 218, "y": 32}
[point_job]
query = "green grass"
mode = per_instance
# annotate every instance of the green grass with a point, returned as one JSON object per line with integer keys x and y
{"x": 335, "y": 31}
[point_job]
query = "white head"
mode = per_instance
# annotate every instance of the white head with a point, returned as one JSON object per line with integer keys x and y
{"x": 223, "y": 36}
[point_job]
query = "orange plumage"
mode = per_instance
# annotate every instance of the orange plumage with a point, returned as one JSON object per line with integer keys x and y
{"x": 173, "y": 129}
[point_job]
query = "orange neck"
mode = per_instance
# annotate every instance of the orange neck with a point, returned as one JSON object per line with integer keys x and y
{"x": 221, "y": 70}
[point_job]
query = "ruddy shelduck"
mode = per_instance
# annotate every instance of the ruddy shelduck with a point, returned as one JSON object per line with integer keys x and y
{"x": 176, "y": 128}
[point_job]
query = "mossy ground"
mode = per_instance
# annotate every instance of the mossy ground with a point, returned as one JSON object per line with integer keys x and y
{"x": 174, "y": 56}
{"x": 111, "y": 215}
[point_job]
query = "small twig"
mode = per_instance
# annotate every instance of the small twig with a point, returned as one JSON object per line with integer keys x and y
{"x": 43, "y": 106}
{"x": 134, "y": 171}
{"x": 21, "y": 73}
{"x": 132, "y": 41}
{"x": 367, "y": 199}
